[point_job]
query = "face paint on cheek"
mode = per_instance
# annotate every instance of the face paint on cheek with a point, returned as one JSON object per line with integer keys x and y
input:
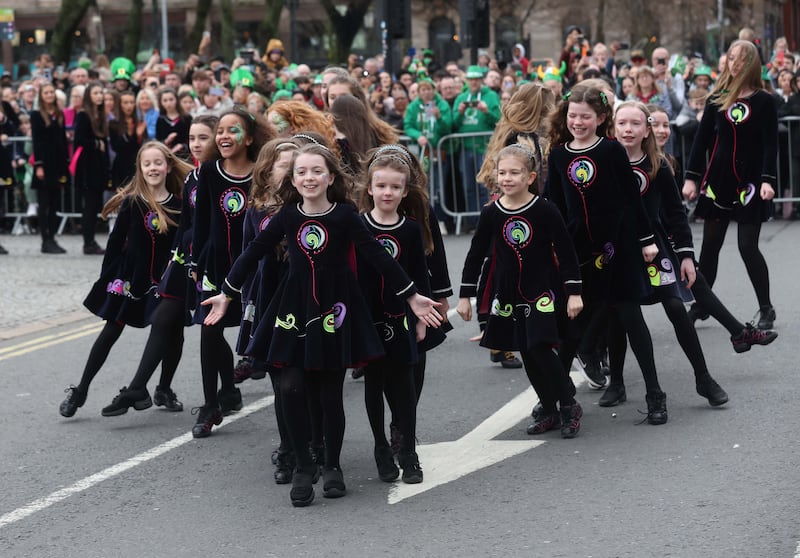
{"x": 238, "y": 133}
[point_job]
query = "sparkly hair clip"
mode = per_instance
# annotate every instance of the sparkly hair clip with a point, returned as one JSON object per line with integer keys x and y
{"x": 650, "y": 119}
{"x": 604, "y": 98}
{"x": 528, "y": 151}
{"x": 386, "y": 157}
{"x": 395, "y": 148}
{"x": 311, "y": 139}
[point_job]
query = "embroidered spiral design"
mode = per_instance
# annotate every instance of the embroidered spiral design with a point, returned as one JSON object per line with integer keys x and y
{"x": 504, "y": 311}
{"x": 264, "y": 222}
{"x": 119, "y": 287}
{"x": 606, "y": 256}
{"x": 193, "y": 197}
{"x": 642, "y": 179}
{"x": 546, "y": 303}
{"x": 233, "y": 201}
{"x": 517, "y": 232}
{"x": 387, "y": 332}
{"x": 151, "y": 221}
{"x": 334, "y": 318}
{"x": 312, "y": 237}
{"x": 582, "y": 171}
{"x": 654, "y": 275}
{"x": 286, "y": 323}
{"x": 739, "y": 112}
{"x": 390, "y": 244}
{"x": 746, "y": 193}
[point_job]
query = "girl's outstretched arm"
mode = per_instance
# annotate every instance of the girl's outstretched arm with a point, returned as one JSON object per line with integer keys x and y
{"x": 219, "y": 305}
{"x": 425, "y": 309}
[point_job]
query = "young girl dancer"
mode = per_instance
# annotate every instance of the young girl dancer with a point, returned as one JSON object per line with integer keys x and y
{"x": 743, "y": 335}
{"x": 136, "y": 254}
{"x": 51, "y": 173}
{"x": 219, "y": 213}
{"x": 591, "y": 182}
{"x": 317, "y": 323}
{"x": 178, "y": 297}
{"x": 397, "y": 211}
{"x": 672, "y": 272}
{"x": 93, "y": 171}
{"x": 528, "y": 289}
{"x": 740, "y": 127}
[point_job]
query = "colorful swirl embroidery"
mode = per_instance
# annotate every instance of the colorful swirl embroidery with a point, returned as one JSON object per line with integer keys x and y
{"x": 264, "y": 222}
{"x": 233, "y": 201}
{"x": 738, "y": 113}
{"x": 119, "y": 287}
{"x": 504, "y": 311}
{"x": 607, "y": 255}
{"x": 546, "y": 303}
{"x": 312, "y": 237}
{"x": 387, "y": 331}
{"x": 390, "y": 244}
{"x": 288, "y": 323}
{"x": 582, "y": 171}
{"x": 334, "y": 318}
{"x": 517, "y": 232}
{"x": 746, "y": 193}
{"x": 642, "y": 179}
{"x": 151, "y": 221}
{"x": 207, "y": 285}
{"x": 193, "y": 197}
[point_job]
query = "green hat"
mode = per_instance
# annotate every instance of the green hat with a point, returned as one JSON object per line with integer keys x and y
{"x": 551, "y": 76}
{"x": 318, "y": 79}
{"x": 474, "y": 72}
{"x": 243, "y": 77}
{"x": 85, "y": 63}
{"x": 702, "y": 71}
{"x": 122, "y": 68}
{"x": 282, "y": 94}
{"x": 427, "y": 52}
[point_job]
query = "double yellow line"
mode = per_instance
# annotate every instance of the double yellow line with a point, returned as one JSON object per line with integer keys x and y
{"x": 48, "y": 341}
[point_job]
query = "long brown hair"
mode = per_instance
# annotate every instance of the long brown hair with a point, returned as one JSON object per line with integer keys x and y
{"x": 729, "y": 87}
{"x": 597, "y": 100}
{"x": 339, "y": 189}
{"x": 96, "y": 113}
{"x": 263, "y": 189}
{"x": 649, "y": 145}
{"x": 53, "y": 110}
{"x": 363, "y": 129}
{"x": 137, "y": 187}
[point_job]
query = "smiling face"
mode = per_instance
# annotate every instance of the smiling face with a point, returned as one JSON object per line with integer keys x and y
{"x": 661, "y": 129}
{"x": 200, "y": 136}
{"x": 311, "y": 178}
{"x": 387, "y": 188}
{"x": 630, "y": 125}
{"x": 154, "y": 167}
{"x": 232, "y": 139}
{"x": 582, "y": 121}
{"x": 513, "y": 176}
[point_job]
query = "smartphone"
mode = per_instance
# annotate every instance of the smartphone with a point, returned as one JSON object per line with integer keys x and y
{"x": 412, "y": 51}
{"x": 624, "y": 46}
{"x": 218, "y": 91}
{"x": 247, "y": 55}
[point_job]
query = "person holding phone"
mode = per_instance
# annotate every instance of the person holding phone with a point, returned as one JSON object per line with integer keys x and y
{"x": 672, "y": 86}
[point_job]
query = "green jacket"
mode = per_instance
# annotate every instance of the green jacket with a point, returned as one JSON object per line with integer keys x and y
{"x": 416, "y": 123}
{"x": 473, "y": 120}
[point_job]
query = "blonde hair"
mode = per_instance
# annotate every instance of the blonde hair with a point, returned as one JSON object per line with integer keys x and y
{"x": 729, "y": 87}
{"x": 138, "y": 188}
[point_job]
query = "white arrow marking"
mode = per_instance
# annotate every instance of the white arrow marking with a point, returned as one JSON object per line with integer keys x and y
{"x": 447, "y": 461}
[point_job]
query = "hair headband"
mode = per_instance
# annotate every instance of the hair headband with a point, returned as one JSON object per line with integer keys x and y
{"x": 394, "y": 148}
{"x": 386, "y": 157}
{"x": 311, "y": 139}
{"x": 528, "y": 151}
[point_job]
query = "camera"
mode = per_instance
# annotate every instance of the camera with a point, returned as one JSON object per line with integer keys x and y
{"x": 661, "y": 61}
{"x": 470, "y": 104}
{"x": 247, "y": 55}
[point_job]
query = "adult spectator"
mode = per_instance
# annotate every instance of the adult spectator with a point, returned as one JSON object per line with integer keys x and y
{"x": 274, "y": 56}
{"x": 395, "y": 115}
{"x": 647, "y": 91}
{"x": 79, "y": 76}
{"x": 477, "y": 110}
{"x": 493, "y": 80}
{"x": 518, "y": 57}
{"x": 671, "y": 85}
{"x": 571, "y": 50}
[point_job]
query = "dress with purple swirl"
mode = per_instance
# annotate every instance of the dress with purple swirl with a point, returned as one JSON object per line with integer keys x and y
{"x": 598, "y": 196}
{"x": 135, "y": 258}
{"x": 529, "y": 289}
{"x": 220, "y": 206}
{"x": 318, "y": 318}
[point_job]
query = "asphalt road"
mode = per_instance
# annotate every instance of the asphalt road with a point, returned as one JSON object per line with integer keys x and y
{"x": 712, "y": 482}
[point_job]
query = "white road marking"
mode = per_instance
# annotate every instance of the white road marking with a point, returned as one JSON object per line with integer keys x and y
{"x": 47, "y": 341}
{"x": 119, "y": 468}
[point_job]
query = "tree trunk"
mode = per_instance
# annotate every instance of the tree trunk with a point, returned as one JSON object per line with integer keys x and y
{"x": 203, "y": 8}
{"x": 228, "y": 31}
{"x": 269, "y": 25}
{"x": 133, "y": 31}
{"x": 345, "y": 27}
{"x": 69, "y": 18}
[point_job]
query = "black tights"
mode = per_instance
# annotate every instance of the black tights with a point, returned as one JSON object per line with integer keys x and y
{"x": 92, "y": 204}
{"x": 99, "y": 352}
{"x": 626, "y": 318}
{"x": 706, "y": 298}
{"x": 216, "y": 359}
{"x": 548, "y": 377}
{"x": 397, "y": 382}
{"x": 164, "y": 344}
{"x": 283, "y": 432}
{"x": 748, "y": 234}
{"x": 297, "y": 387}
{"x": 49, "y": 198}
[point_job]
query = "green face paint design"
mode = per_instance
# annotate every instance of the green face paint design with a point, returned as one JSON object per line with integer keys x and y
{"x": 238, "y": 133}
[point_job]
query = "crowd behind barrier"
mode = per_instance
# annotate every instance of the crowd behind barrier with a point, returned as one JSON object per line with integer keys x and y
{"x": 444, "y": 179}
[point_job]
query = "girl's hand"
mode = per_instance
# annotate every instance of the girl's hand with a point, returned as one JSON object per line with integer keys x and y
{"x": 464, "y": 309}
{"x": 574, "y": 306}
{"x": 650, "y": 252}
{"x": 425, "y": 309}
{"x": 219, "y": 305}
{"x": 688, "y": 272}
{"x": 767, "y": 191}
{"x": 443, "y": 308}
{"x": 421, "y": 330}
{"x": 689, "y": 189}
